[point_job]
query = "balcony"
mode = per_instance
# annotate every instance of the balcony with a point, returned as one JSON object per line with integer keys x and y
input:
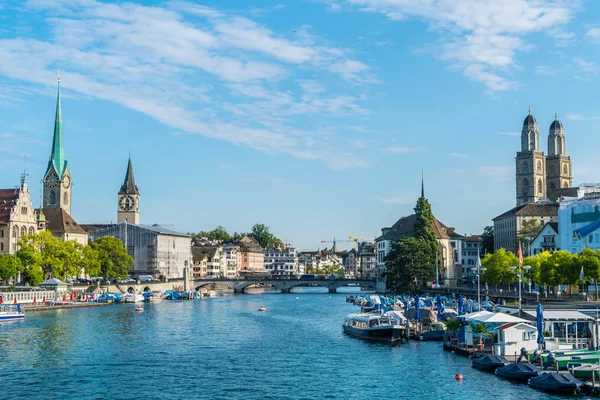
{"x": 548, "y": 245}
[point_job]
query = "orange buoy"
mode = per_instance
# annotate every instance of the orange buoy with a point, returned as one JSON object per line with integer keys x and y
{"x": 262, "y": 308}
{"x": 458, "y": 377}
{"x": 139, "y": 309}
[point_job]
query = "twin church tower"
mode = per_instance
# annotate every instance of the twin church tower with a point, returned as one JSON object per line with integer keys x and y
{"x": 537, "y": 175}
{"x": 57, "y": 180}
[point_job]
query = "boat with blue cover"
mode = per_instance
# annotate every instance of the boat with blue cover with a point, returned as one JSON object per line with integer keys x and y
{"x": 489, "y": 363}
{"x": 375, "y": 327}
{"x": 518, "y": 371}
{"x": 556, "y": 382}
{"x": 11, "y": 312}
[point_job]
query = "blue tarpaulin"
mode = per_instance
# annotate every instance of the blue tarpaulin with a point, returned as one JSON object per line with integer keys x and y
{"x": 440, "y": 307}
{"x": 539, "y": 321}
{"x": 586, "y": 230}
{"x": 460, "y": 307}
{"x": 417, "y": 308}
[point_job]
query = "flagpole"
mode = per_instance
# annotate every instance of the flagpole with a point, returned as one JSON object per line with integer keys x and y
{"x": 520, "y": 264}
{"x": 478, "y": 281}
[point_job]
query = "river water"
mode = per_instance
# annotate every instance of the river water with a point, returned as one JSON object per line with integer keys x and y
{"x": 223, "y": 348}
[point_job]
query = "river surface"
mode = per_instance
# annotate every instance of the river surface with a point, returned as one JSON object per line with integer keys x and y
{"x": 223, "y": 348}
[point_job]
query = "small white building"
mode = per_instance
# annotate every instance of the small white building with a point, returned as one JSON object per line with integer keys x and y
{"x": 547, "y": 239}
{"x": 514, "y": 336}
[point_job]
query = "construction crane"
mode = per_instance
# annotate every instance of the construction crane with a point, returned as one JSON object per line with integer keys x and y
{"x": 334, "y": 241}
{"x": 356, "y": 240}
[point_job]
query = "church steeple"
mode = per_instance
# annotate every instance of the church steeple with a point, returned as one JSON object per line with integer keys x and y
{"x": 57, "y": 156}
{"x": 129, "y": 198}
{"x": 129, "y": 186}
{"x": 422, "y": 186}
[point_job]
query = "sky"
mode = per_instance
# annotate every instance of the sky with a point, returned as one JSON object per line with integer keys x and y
{"x": 315, "y": 117}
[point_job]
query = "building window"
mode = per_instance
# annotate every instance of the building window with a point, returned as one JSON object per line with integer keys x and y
{"x": 525, "y": 188}
{"x": 31, "y": 230}
{"x": 24, "y": 210}
{"x": 539, "y": 166}
{"x": 66, "y": 198}
{"x": 565, "y": 170}
{"x": 539, "y": 186}
{"x": 525, "y": 167}
{"x": 15, "y": 232}
{"x": 552, "y": 171}
{"x": 23, "y": 231}
{"x": 52, "y": 197}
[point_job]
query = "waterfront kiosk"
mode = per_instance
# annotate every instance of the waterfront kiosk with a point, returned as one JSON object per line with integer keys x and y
{"x": 569, "y": 329}
{"x": 59, "y": 287}
{"x": 514, "y": 336}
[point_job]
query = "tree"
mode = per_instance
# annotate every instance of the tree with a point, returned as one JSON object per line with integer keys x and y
{"x": 535, "y": 263}
{"x": 424, "y": 226}
{"x": 497, "y": 267}
{"x": 409, "y": 261}
{"x": 264, "y": 237}
{"x": 113, "y": 258}
{"x": 91, "y": 261}
{"x": 529, "y": 230}
{"x": 551, "y": 270}
{"x": 10, "y": 266}
{"x": 488, "y": 239}
{"x": 45, "y": 251}
{"x": 590, "y": 261}
{"x": 219, "y": 233}
{"x": 567, "y": 266}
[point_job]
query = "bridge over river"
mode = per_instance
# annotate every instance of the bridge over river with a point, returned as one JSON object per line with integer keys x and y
{"x": 285, "y": 285}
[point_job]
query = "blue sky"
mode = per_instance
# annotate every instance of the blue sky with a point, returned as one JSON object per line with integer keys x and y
{"x": 314, "y": 117}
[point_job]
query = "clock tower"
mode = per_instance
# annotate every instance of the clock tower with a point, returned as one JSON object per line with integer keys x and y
{"x": 129, "y": 199}
{"x": 57, "y": 179}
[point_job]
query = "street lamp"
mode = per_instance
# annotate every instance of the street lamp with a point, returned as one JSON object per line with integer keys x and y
{"x": 527, "y": 268}
{"x": 513, "y": 268}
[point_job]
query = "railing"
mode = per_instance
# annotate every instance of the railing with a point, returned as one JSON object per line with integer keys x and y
{"x": 27, "y": 297}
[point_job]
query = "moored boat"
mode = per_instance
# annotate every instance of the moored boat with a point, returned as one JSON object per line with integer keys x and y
{"x": 556, "y": 382}
{"x": 518, "y": 371}
{"x": 374, "y": 327}
{"x": 489, "y": 363}
{"x": 155, "y": 297}
{"x": 586, "y": 371}
{"x": 563, "y": 361}
{"x": 132, "y": 298}
{"x": 11, "y": 312}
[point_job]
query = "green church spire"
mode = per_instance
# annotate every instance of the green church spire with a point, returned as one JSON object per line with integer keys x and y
{"x": 57, "y": 157}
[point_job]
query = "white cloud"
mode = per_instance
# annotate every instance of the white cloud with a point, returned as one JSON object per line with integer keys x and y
{"x": 587, "y": 67}
{"x": 403, "y": 149}
{"x": 481, "y": 37}
{"x": 458, "y": 155}
{"x": 593, "y": 33}
{"x": 167, "y": 61}
{"x": 544, "y": 70}
{"x": 579, "y": 117}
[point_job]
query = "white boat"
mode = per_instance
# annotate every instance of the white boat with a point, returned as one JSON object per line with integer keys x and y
{"x": 212, "y": 293}
{"x": 132, "y": 298}
{"x": 11, "y": 312}
{"x": 155, "y": 297}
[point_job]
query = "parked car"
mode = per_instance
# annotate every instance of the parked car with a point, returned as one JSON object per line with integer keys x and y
{"x": 146, "y": 278}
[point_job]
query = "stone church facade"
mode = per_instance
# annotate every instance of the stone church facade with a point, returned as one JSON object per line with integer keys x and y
{"x": 537, "y": 175}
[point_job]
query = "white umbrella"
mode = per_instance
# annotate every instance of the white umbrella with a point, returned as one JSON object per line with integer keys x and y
{"x": 476, "y": 315}
{"x": 500, "y": 318}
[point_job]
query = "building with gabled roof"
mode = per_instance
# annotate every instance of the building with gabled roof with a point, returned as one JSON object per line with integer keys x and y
{"x": 252, "y": 255}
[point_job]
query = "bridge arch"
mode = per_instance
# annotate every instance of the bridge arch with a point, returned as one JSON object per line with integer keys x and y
{"x": 208, "y": 283}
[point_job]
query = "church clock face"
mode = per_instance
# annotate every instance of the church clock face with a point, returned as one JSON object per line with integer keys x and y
{"x": 66, "y": 182}
{"x": 127, "y": 203}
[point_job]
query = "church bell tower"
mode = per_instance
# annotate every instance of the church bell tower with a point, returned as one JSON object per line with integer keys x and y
{"x": 57, "y": 179}
{"x": 129, "y": 199}
{"x": 530, "y": 164}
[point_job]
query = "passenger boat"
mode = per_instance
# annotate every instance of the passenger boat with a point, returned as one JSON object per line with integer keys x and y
{"x": 11, "y": 312}
{"x": 489, "y": 363}
{"x": 556, "y": 382}
{"x": 518, "y": 371}
{"x": 374, "y": 327}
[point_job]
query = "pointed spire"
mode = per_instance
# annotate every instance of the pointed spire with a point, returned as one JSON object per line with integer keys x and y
{"x": 422, "y": 185}
{"x": 529, "y": 110}
{"x": 129, "y": 186}
{"x": 57, "y": 157}
{"x": 555, "y": 116}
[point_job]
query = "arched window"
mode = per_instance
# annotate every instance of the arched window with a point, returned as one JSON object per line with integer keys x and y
{"x": 566, "y": 185}
{"x": 539, "y": 166}
{"x": 66, "y": 198}
{"x": 559, "y": 149}
{"x": 552, "y": 186}
{"x": 539, "y": 186}
{"x": 52, "y": 197}
{"x": 525, "y": 167}
{"x": 31, "y": 230}
{"x": 552, "y": 170}
{"x": 15, "y": 232}
{"x": 23, "y": 230}
{"x": 525, "y": 187}
{"x": 565, "y": 170}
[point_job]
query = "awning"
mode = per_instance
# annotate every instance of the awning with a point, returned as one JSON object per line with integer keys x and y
{"x": 562, "y": 315}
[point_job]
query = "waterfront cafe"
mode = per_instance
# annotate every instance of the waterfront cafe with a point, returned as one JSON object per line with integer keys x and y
{"x": 566, "y": 329}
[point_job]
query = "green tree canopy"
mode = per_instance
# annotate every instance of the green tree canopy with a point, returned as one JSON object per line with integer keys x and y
{"x": 49, "y": 253}
{"x": 488, "y": 239}
{"x": 330, "y": 269}
{"x": 497, "y": 267}
{"x": 535, "y": 263}
{"x": 113, "y": 258}
{"x": 408, "y": 262}
{"x": 10, "y": 266}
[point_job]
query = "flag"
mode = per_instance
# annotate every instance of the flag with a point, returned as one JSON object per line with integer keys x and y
{"x": 520, "y": 255}
{"x": 478, "y": 262}
{"x": 581, "y": 274}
